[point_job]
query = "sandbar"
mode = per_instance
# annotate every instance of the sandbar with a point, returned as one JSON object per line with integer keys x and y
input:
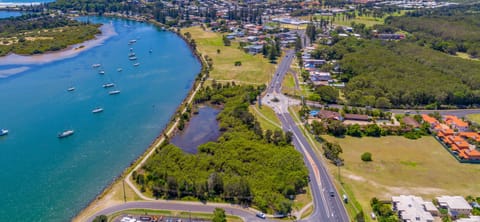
{"x": 13, "y": 59}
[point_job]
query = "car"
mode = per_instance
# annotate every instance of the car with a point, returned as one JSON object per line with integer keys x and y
{"x": 332, "y": 193}
{"x": 261, "y": 215}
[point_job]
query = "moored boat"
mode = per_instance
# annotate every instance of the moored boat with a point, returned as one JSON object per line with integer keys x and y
{"x": 108, "y": 85}
{"x": 131, "y": 54}
{"x": 96, "y": 65}
{"x": 133, "y": 58}
{"x": 119, "y": 69}
{"x": 71, "y": 89}
{"x": 3, "y": 132}
{"x": 113, "y": 92}
{"x": 136, "y": 64}
{"x": 97, "y": 110}
{"x": 65, "y": 133}
{"x": 101, "y": 72}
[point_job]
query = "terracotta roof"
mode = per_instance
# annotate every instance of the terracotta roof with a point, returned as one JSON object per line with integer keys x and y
{"x": 327, "y": 114}
{"x": 453, "y": 120}
{"x": 429, "y": 119}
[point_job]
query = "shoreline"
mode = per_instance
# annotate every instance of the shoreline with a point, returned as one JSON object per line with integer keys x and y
{"x": 170, "y": 127}
{"x": 107, "y": 31}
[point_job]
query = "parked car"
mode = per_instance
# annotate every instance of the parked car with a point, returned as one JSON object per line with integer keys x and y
{"x": 261, "y": 215}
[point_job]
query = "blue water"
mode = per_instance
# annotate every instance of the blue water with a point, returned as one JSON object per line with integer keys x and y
{"x": 7, "y": 14}
{"x": 201, "y": 128}
{"x": 44, "y": 178}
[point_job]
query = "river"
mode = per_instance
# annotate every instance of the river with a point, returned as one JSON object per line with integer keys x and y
{"x": 45, "y": 178}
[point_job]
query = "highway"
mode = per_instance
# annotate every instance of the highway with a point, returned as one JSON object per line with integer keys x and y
{"x": 327, "y": 207}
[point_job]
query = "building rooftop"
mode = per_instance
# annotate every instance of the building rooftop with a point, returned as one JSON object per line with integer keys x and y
{"x": 412, "y": 208}
{"x": 454, "y": 202}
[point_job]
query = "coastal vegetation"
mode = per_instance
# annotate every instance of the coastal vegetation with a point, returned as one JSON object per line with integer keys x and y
{"x": 38, "y": 33}
{"x": 399, "y": 73}
{"x": 246, "y": 165}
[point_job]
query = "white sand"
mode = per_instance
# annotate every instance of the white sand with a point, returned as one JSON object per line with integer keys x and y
{"x": 13, "y": 59}
{"x": 9, "y": 72}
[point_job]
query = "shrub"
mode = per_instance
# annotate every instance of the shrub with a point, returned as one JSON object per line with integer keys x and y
{"x": 366, "y": 157}
{"x": 238, "y": 63}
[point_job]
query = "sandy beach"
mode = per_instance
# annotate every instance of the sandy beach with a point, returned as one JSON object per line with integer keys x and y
{"x": 13, "y": 59}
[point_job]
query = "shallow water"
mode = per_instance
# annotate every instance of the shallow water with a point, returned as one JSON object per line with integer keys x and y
{"x": 49, "y": 179}
{"x": 202, "y": 128}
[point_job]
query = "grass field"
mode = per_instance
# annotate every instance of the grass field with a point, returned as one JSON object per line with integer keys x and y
{"x": 169, "y": 213}
{"x": 367, "y": 20}
{"x": 402, "y": 166}
{"x": 254, "y": 69}
{"x": 474, "y": 118}
{"x": 266, "y": 117}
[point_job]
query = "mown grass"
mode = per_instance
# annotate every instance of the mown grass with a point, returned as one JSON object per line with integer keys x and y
{"x": 266, "y": 117}
{"x": 474, "y": 118}
{"x": 254, "y": 69}
{"x": 402, "y": 166}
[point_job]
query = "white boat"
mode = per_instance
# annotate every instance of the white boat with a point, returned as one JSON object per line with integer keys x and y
{"x": 119, "y": 69}
{"x": 132, "y": 41}
{"x": 113, "y": 92}
{"x": 3, "y": 132}
{"x": 108, "y": 85}
{"x": 136, "y": 64}
{"x": 65, "y": 133}
{"x": 71, "y": 89}
{"x": 96, "y": 65}
{"x": 101, "y": 72}
{"x": 133, "y": 58}
{"x": 131, "y": 54}
{"x": 97, "y": 110}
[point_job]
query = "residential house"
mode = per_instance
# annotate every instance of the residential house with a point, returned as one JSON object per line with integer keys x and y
{"x": 456, "y": 123}
{"x": 254, "y": 49}
{"x": 457, "y": 206}
{"x": 413, "y": 208}
{"x": 430, "y": 120}
{"x": 356, "y": 117}
{"x": 327, "y": 114}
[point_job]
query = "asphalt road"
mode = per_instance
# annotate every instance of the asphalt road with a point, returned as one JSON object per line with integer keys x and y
{"x": 246, "y": 215}
{"x": 327, "y": 207}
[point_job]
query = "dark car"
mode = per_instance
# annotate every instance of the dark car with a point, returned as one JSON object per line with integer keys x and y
{"x": 332, "y": 193}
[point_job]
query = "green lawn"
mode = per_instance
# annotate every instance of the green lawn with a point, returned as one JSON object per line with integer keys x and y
{"x": 266, "y": 117}
{"x": 474, "y": 118}
{"x": 254, "y": 69}
{"x": 367, "y": 20}
{"x": 402, "y": 166}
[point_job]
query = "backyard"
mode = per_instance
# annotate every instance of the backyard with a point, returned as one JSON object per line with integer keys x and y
{"x": 254, "y": 69}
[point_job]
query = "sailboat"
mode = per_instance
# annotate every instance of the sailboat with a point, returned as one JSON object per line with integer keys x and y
{"x": 3, "y": 132}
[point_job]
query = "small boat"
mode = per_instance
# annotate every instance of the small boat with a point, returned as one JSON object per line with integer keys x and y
{"x": 3, "y": 132}
{"x": 133, "y": 58}
{"x": 101, "y": 72}
{"x": 96, "y": 65}
{"x": 131, "y": 49}
{"x": 65, "y": 133}
{"x": 131, "y": 54}
{"x": 108, "y": 85}
{"x": 136, "y": 64}
{"x": 119, "y": 69}
{"x": 114, "y": 92}
{"x": 132, "y": 41}
{"x": 71, "y": 89}
{"x": 150, "y": 51}
{"x": 97, "y": 110}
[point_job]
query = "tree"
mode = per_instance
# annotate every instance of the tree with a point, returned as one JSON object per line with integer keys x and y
{"x": 354, "y": 130}
{"x": 332, "y": 151}
{"x": 101, "y": 218}
{"x": 311, "y": 32}
{"x": 268, "y": 135}
{"x": 383, "y": 102}
{"x": 328, "y": 94}
{"x": 336, "y": 128}
{"x": 277, "y": 137}
{"x": 219, "y": 215}
{"x": 366, "y": 157}
{"x": 288, "y": 137}
{"x": 373, "y": 130}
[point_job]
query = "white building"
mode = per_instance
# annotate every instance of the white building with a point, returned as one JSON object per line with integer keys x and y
{"x": 456, "y": 205}
{"x": 412, "y": 208}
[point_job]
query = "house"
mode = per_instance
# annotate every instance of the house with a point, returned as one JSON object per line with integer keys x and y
{"x": 327, "y": 114}
{"x": 456, "y": 123}
{"x": 320, "y": 76}
{"x": 356, "y": 117}
{"x": 409, "y": 121}
{"x": 413, "y": 208}
{"x": 390, "y": 36}
{"x": 313, "y": 62}
{"x": 254, "y": 49}
{"x": 457, "y": 206}
{"x": 430, "y": 120}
